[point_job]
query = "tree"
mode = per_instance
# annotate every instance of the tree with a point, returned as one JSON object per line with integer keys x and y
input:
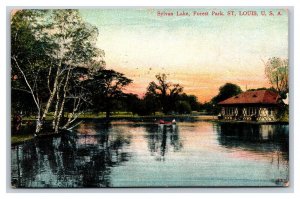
{"x": 166, "y": 92}
{"x": 276, "y": 70}
{"x": 131, "y": 103}
{"x": 192, "y": 100}
{"x": 28, "y": 58}
{"x": 78, "y": 96}
{"x": 208, "y": 108}
{"x": 76, "y": 42}
{"x": 151, "y": 104}
{"x": 47, "y": 45}
{"x": 183, "y": 107}
{"x": 107, "y": 86}
{"x": 226, "y": 91}
{"x": 263, "y": 88}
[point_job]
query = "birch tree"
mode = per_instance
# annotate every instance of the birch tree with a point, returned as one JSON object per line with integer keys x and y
{"x": 29, "y": 56}
{"x": 46, "y": 47}
{"x": 76, "y": 41}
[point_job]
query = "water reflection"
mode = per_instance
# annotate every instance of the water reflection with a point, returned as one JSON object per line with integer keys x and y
{"x": 162, "y": 138}
{"x": 251, "y": 136}
{"x": 258, "y": 142}
{"x": 124, "y": 154}
{"x": 70, "y": 160}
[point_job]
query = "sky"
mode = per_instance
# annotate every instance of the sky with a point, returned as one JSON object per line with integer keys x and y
{"x": 200, "y": 52}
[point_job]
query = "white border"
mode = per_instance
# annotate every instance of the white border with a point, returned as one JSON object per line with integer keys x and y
{"x": 3, "y": 86}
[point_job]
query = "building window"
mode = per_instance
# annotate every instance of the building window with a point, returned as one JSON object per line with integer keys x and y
{"x": 252, "y": 111}
{"x": 269, "y": 111}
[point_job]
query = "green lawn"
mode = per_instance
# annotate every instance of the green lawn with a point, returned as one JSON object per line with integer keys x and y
{"x": 20, "y": 138}
{"x": 119, "y": 114}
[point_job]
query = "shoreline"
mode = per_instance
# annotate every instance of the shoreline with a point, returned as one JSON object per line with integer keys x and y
{"x": 179, "y": 118}
{"x": 21, "y": 138}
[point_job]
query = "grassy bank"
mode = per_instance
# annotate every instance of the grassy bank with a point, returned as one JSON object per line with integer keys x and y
{"x": 20, "y": 138}
{"x": 151, "y": 118}
{"x": 26, "y": 130}
{"x": 128, "y": 115}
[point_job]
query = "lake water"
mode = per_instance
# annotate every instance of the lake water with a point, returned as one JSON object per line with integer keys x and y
{"x": 127, "y": 154}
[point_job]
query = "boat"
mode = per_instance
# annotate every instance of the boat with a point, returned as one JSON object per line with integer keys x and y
{"x": 166, "y": 123}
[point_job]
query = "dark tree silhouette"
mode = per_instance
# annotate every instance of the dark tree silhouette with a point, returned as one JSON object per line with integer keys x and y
{"x": 107, "y": 87}
{"x": 226, "y": 91}
{"x": 166, "y": 92}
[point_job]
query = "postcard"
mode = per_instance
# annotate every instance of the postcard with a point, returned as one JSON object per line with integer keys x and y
{"x": 149, "y": 97}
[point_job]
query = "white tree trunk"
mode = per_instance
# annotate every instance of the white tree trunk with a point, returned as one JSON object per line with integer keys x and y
{"x": 36, "y": 101}
{"x": 52, "y": 94}
{"x": 60, "y": 114}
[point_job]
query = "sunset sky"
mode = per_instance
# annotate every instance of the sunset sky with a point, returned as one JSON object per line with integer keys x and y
{"x": 199, "y": 52}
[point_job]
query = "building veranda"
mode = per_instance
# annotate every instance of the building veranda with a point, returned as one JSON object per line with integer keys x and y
{"x": 259, "y": 105}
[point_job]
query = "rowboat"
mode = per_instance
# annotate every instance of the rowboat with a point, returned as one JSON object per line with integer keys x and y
{"x": 166, "y": 123}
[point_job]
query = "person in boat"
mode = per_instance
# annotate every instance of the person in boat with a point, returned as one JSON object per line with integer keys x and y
{"x": 167, "y": 123}
{"x": 161, "y": 121}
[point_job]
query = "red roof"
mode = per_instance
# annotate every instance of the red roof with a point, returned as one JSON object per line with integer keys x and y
{"x": 253, "y": 97}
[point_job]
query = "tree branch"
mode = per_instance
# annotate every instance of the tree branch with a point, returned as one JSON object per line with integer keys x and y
{"x": 48, "y": 80}
{"x": 20, "y": 89}
{"x": 27, "y": 83}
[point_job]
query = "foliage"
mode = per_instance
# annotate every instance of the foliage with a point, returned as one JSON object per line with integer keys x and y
{"x": 263, "y": 88}
{"x": 29, "y": 57}
{"x": 166, "y": 92}
{"x": 276, "y": 70}
{"x": 107, "y": 87}
{"x": 192, "y": 100}
{"x": 283, "y": 113}
{"x": 47, "y": 48}
{"x": 183, "y": 107}
{"x": 162, "y": 96}
{"x": 226, "y": 91}
{"x": 207, "y": 107}
{"x": 151, "y": 104}
{"x": 130, "y": 103}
